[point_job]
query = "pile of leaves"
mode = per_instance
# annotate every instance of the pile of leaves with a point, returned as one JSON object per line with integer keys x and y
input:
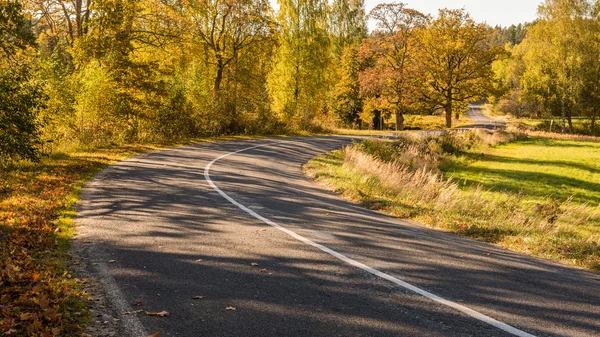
{"x": 38, "y": 296}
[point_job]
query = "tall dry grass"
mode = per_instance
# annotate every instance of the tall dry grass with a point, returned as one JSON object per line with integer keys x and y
{"x": 408, "y": 170}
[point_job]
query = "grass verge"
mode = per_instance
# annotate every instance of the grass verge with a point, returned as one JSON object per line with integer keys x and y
{"x": 540, "y": 196}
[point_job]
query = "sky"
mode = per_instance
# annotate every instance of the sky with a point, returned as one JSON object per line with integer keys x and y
{"x": 494, "y": 12}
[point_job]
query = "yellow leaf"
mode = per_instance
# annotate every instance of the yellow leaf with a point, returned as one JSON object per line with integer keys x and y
{"x": 159, "y": 314}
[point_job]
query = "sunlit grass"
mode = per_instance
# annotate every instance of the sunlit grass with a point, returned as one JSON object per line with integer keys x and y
{"x": 411, "y": 122}
{"x": 539, "y": 196}
{"x": 539, "y": 168}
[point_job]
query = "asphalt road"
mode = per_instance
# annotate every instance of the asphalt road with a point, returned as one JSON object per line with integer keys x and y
{"x": 173, "y": 236}
{"x": 480, "y": 120}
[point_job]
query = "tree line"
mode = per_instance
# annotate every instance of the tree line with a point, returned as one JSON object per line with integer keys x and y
{"x": 84, "y": 73}
{"x": 555, "y": 69}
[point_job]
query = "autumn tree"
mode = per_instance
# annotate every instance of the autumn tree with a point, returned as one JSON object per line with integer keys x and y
{"x": 390, "y": 80}
{"x": 299, "y": 80}
{"x": 348, "y": 24}
{"x": 226, "y": 27}
{"x": 348, "y": 101}
{"x": 456, "y": 59}
{"x": 560, "y": 56}
{"x": 61, "y": 19}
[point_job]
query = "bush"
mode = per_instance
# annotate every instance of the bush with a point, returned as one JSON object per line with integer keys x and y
{"x": 20, "y": 100}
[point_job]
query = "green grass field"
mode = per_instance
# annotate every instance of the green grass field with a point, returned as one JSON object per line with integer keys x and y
{"x": 539, "y": 168}
{"x": 539, "y": 196}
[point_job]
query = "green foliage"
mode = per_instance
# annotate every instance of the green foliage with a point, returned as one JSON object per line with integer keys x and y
{"x": 348, "y": 24}
{"x": 20, "y": 99}
{"x": 347, "y": 99}
{"x": 15, "y": 33}
{"x": 299, "y": 81}
{"x": 512, "y": 35}
{"x": 20, "y": 95}
{"x": 555, "y": 71}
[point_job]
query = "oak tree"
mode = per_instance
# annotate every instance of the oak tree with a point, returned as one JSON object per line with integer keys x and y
{"x": 456, "y": 58}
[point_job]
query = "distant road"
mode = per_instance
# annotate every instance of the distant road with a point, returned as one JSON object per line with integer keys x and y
{"x": 475, "y": 113}
{"x": 192, "y": 221}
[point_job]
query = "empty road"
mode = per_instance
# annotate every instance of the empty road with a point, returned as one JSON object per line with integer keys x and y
{"x": 238, "y": 223}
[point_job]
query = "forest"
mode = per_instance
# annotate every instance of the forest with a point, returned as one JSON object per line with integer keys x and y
{"x": 86, "y": 73}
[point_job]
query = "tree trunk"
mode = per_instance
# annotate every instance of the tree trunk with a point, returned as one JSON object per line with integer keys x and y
{"x": 563, "y": 118}
{"x": 235, "y": 90}
{"x": 399, "y": 121}
{"x": 448, "y": 109}
{"x": 219, "y": 77}
{"x": 570, "y": 121}
{"x": 593, "y": 123}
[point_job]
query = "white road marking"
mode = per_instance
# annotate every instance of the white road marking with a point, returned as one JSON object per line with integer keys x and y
{"x": 433, "y": 297}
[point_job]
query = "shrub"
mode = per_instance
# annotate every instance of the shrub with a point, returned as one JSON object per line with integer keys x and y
{"x": 20, "y": 100}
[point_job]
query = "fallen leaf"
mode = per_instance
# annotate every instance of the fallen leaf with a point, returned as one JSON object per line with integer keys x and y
{"x": 132, "y": 312}
{"x": 112, "y": 261}
{"x": 263, "y": 270}
{"x": 197, "y": 297}
{"x": 25, "y": 316}
{"x": 231, "y": 309}
{"x": 156, "y": 334}
{"x": 159, "y": 314}
{"x": 44, "y": 303}
{"x": 254, "y": 264}
{"x": 35, "y": 277}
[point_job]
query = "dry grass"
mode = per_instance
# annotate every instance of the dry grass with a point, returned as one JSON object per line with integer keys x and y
{"x": 410, "y": 184}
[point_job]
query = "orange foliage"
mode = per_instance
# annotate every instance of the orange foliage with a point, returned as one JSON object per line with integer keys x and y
{"x": 37, "y": 295}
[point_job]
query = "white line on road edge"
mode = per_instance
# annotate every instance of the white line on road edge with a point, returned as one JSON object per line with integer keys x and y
{"x": 454, "y": 305}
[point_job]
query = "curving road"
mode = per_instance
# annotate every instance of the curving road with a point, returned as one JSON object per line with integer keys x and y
{"x": 480, "y": 120}
{"x": 191, "y": 221}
